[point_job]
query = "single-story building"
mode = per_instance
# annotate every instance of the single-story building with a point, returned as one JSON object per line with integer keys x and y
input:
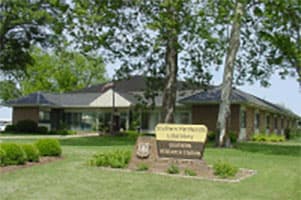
{"x": 91, "y": 108}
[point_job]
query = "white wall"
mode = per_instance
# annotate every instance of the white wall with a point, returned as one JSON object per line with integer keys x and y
{"x": 5, "y": 113}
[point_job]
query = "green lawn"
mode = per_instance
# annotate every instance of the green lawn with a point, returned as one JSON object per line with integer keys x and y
{"x": 278, "y": 175}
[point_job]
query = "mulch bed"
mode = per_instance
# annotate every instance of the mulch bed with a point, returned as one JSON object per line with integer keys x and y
{"x": 202, "y": 170}
{"x": 43, "y": 160}
{"x": 159, "y": 165}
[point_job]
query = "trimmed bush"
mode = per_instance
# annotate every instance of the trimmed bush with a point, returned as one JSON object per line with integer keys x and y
{"x": 268, "y": 138}
{"x": 116, "y": 159}
{"x": 32, "y": 153}
{"x": 142, "y": 167}
{"x": 27, "y": 126}
{"x": 173, "y": 169}
{"x": 42, "y": 130}
{"x": 10, "y": 128}
{"x": 15, "y": 155}
{"x": 2, "y": 156}
{"x": 224, "y": 169}
{"x": 211, "y": 136}
{"x": 62, "y": 132}
{"x": 49, "y": 147}
{"x": 190, "y": 172}
{"x": 233, "y": 137}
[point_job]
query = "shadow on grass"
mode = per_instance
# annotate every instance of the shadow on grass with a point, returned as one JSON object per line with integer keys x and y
{"x": 100, "y": 141}
{"x": 273, "y": 149}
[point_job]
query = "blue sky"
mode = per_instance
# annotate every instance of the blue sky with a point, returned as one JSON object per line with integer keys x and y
{"x": 285, "y": 92}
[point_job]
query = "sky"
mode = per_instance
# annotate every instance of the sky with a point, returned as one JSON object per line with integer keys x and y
{"x": 284, "y": 92}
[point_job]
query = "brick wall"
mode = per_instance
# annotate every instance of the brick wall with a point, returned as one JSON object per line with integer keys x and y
{"x": 207, "y": 114}
{"x": 25, "y": 113}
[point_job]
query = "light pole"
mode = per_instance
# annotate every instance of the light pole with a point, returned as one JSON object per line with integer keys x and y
{"x": 113, "y": 107}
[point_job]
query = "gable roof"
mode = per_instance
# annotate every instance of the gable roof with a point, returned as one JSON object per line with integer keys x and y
{"x": 135, "y": 83}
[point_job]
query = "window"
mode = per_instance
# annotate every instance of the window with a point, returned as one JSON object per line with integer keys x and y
{"x": 267, "y": 121}
{"x": 182, "y": 118}
{"x": 144, "y": 120}
{"x": 243, "y": 119}
{"x": 123, "y": 120}
{"x": 282, "y": 123}
{"x": 257, "y": 120}
{"x": 275, "y": 123}
{"x": 44, "y": 116}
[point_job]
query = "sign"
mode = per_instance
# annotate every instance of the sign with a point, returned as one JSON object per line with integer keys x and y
{"x": 181, "y": 141}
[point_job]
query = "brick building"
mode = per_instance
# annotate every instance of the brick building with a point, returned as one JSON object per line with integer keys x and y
{"x": 90, "y": 109}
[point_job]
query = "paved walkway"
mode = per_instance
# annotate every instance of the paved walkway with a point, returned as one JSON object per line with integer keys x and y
{"x": 48, "y": 136}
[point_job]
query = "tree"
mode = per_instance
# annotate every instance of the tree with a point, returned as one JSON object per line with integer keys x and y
{"x": 60, "y": 72}
{"x": 152, "y": 38}
{"x": 270, "y": 38}
{"x": 224, "y": 109}
{"x": 24, "y": 23}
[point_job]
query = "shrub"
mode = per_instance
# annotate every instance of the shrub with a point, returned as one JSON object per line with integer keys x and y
{"x": 14, "y": 154}
{"x": 190, "y": 172}
{"x": 276, "y": 138}
{"x": 42, "y": 130}
{"x": 173, "y": 169}
{"x": 233, "y": 137}
{"x": 49, "y": 147}
{"x": 63, "y": 132}
{"x": 211, "y": 136}
{"x": 116, "y": 159}
{"x": 32, "y": 153}
{"x": 268, "y": 138}
{"x": 27, "y": 126}
{"x": 10, "y": 128}
{"x": 2, "y": 156}
{"x": 259, "y": 138}
{"x": 224, "y": 169}
{"x": 287, "y": 133}
{"x": 142, "y": 167}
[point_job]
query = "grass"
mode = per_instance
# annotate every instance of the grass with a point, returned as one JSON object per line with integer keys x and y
{"x": 278, "y": 175}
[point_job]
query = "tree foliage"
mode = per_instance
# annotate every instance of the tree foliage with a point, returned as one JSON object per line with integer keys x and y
{"x": 269, "y": 41}
{"x": 152, "y": 38}
{"x": 24, "y": 23}
{"x": 55, "y": 72}
{"x": 270, "y": 38}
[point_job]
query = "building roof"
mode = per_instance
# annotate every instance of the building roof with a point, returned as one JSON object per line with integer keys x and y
{"x": 55, "y": 100}
{"x": 213, "y": 96}
{"x": 132, "y": 90}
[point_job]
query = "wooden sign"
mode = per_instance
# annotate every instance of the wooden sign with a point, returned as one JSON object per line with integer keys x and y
{"x": 181, "y": 140}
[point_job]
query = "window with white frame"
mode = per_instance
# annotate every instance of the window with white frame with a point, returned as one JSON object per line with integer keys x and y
{"x": 257, "y": 120}
{"x": 267, "y": 122}
{"x": 182, "y": 117}
{"x": 243, "y": 119}
{"x": 44, "y": 116}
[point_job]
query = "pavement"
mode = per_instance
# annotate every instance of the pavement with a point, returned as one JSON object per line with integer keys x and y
{"x": 48, "y": 136}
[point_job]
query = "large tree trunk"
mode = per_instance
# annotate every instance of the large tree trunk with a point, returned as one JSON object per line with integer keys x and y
{"x": 224, "y": 108}
{"x": 170, "y": 85}
{"x": 171, "y": 70}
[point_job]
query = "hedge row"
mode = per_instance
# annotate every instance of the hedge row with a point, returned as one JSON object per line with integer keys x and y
{"x": 19, "y": 154}
{"x": 268, "y": 138}
{"x": 29, "y": 126}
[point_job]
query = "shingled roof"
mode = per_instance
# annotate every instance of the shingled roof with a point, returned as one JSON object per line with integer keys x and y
{"x": 213, "y": 95}
{"x": 133, "y": 89}
{"x": 55, "y": 100}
